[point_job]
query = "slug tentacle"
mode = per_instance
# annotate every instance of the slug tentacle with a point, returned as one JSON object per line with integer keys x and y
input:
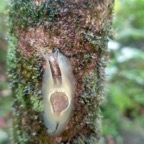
{"x": 58, "y": 90}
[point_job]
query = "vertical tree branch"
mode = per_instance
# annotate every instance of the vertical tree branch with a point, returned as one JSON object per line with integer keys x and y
{"x": 80, "y": 29}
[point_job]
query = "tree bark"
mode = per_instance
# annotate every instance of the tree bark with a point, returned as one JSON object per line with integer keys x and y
{"x": 80, "y": 29}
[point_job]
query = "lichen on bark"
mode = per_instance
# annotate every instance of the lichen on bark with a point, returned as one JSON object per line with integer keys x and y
{"x": 80, "y": 29}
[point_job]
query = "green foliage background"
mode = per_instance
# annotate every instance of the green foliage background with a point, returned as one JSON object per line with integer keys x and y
{"x": 5, "y": 99}
{"x": 123, "y": 111}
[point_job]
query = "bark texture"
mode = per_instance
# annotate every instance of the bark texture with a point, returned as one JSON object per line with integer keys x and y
{"x": 80, "y": 29}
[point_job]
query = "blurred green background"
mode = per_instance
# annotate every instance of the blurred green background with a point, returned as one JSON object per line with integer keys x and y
{"x": 123, "y": 111}
{"x": 5, "y": 98}
{"x": 123, "y": 120}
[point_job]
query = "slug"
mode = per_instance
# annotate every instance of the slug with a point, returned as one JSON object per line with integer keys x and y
{"x": 58, "y": 88}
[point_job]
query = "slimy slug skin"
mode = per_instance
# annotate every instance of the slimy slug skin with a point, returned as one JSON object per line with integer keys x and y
{"x": 58, "y": 90}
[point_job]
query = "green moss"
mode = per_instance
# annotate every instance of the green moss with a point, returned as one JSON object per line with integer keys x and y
{"x": 18, "y": 95}
{"x": 25, "y": 77}
{"x": 94, "y": 93}
{"x": 11, "y": 56}
{"x": 20, "y": 136}
{"x": 24, "y": 13}
{"x": 37, "y": 104}
{"x": 85, "y": 140}
{"x": 90, "y": 98}
{"x": 92, "y": 38}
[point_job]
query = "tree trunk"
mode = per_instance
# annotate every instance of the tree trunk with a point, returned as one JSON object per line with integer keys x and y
{"x": 80, "y": 29}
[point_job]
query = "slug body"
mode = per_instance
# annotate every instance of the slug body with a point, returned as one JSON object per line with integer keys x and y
{"x": 58, "y": 90}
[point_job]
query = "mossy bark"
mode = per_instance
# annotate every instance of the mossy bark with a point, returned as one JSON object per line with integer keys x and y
{"x": 80, "y": 29}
